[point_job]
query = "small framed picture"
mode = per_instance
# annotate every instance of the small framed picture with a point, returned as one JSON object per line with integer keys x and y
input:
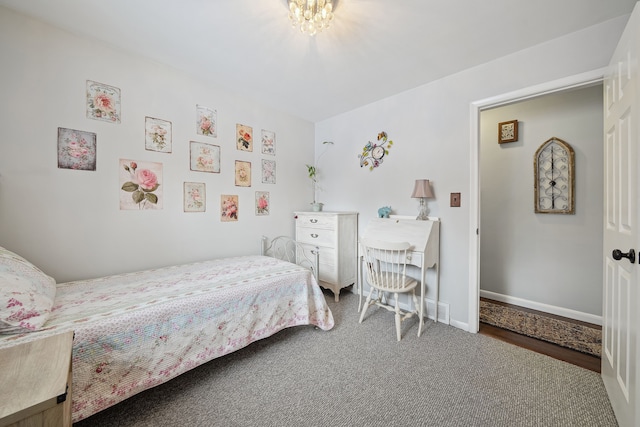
{"x": 229, "y": 207}
{"x": 268, "y": 142}
{"x": 103, "y": 102}
{"x": 243, "y": 174}
{"x": 76, "y": 149}
{"x": 204, "y": 157}
{"x": 157, "y": 135}
{"x": 262, "y": 203}
{"x": 508, "y": 131}
{"x": 194, "y": 197}
{"x": 206, "y": 121}
{"x": 140, "y": 185}
{"x": 268, "y": 171}
{"x": 244, "y": 135}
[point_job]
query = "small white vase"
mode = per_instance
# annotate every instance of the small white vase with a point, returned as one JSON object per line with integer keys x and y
{"x": 316, "y": 207}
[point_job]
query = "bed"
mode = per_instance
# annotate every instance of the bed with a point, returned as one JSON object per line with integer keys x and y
{"x": 137, "y": 330}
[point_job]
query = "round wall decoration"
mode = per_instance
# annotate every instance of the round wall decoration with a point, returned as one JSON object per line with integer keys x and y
{"x": 374, "y": 152}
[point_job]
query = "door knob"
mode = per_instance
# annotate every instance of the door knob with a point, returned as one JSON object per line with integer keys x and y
{"x": 618, "y": 255}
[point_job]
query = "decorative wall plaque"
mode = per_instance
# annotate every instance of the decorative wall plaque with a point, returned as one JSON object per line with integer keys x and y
{"x": 554, "y": 172}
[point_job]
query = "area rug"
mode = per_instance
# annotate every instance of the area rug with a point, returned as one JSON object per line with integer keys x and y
{"x": 564, "y": 333}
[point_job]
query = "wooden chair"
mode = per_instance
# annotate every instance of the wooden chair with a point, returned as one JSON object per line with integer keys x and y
{"x": 385, "y": 263}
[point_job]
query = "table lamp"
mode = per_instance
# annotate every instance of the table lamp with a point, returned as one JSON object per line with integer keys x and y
{"x": 422, "y": 191}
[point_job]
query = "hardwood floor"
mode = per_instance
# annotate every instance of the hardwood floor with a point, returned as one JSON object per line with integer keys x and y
{"x": 577, "y": 358}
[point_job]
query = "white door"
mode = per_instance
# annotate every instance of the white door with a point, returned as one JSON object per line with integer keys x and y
{"x": 621, "y": 228}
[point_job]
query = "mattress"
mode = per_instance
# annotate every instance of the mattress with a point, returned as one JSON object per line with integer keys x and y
{"x": 137, "y": 330}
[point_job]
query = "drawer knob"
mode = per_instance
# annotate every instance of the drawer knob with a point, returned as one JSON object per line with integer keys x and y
{"x": 314, "y": 235}
{"x": 313, "y": 220}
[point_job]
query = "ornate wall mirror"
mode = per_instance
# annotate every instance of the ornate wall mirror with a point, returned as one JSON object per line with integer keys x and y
{"x": 554, "y": 172}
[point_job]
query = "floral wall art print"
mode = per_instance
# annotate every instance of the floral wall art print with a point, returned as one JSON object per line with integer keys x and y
{"x": 228, "y": 208}
{"x": 268, "y": 142}
{"x": 268, "y": 171}
{"x": 103, "y": 102}
{"x": 243, "y": 174}
{"x": 206, "y": 121}
{"x": 244, "y": 137}
{"x": 157, "y": 135}
{"x": 204, "y": 157}
{"x": 76, "y": 149}
{"x": 262, "y": 203}
{"x": 194, "y": 197}
{"x": 140, "y": 185}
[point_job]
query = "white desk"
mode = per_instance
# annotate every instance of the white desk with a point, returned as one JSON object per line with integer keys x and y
{"x": 424, "y": 237}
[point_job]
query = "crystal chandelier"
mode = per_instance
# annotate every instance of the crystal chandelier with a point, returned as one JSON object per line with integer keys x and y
{"x": 311, "y": 16}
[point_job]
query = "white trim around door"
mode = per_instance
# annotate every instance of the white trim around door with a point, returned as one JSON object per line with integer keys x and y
{"x": 571, "y": 82}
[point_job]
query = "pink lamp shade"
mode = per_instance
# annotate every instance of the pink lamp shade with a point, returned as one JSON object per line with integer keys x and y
{"x": 422, "y": 189}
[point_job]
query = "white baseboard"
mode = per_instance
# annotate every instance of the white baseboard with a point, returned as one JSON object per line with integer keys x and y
{"x": 460, "y": 325}
{"x": 443, "y": 311}
{"x": 558, "y": 311}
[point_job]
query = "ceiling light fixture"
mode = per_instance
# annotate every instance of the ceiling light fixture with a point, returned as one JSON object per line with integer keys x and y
{"x": 311, "y": 16}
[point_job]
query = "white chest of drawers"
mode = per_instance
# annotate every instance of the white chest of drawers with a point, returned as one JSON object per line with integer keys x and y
{"x": 336, "y": 236}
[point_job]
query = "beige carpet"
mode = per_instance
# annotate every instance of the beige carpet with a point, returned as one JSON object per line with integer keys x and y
{"x": 564, "y": 333}
{"x": 357, "y": 374}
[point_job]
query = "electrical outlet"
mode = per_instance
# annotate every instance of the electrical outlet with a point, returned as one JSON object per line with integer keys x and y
{"x": 455, "y": 200}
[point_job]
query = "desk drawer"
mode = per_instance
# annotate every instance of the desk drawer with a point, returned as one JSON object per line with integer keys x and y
{"x": 414, "y": 258}
{"x": 316, "y": 221}
{"x": 316, "y": 236}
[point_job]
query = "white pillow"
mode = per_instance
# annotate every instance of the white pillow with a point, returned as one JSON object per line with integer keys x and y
{"x": 26, "y": 294}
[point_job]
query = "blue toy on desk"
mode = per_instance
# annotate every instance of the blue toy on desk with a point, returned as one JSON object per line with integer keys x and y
{"x": 384, "y": 212}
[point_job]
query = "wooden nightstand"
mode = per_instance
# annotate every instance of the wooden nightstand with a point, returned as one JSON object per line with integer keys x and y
{"x": 35, "y": 382}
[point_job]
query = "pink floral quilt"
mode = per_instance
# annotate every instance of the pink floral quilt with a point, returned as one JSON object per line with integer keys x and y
{"x": 137, "y": 330}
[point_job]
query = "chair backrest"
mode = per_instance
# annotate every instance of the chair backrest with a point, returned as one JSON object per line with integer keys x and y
{"x": 386, "y": 264}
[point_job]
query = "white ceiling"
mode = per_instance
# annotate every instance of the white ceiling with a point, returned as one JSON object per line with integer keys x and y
{"x": 375, "y": 48}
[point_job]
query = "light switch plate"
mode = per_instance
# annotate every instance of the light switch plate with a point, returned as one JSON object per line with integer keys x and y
{"x": 455, "y": 200}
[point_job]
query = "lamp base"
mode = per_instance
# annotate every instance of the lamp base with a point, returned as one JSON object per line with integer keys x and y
{"x": 423, "y": 215}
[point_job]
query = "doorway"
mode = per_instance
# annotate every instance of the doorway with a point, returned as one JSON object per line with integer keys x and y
{"x": 570, "y": 83}
{"x": 548, "y": 262}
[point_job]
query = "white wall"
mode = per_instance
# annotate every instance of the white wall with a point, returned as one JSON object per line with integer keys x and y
{"x": 430, "y": 128}
{"x": 69, "y": 222}
{"x": 542, "y": 258}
